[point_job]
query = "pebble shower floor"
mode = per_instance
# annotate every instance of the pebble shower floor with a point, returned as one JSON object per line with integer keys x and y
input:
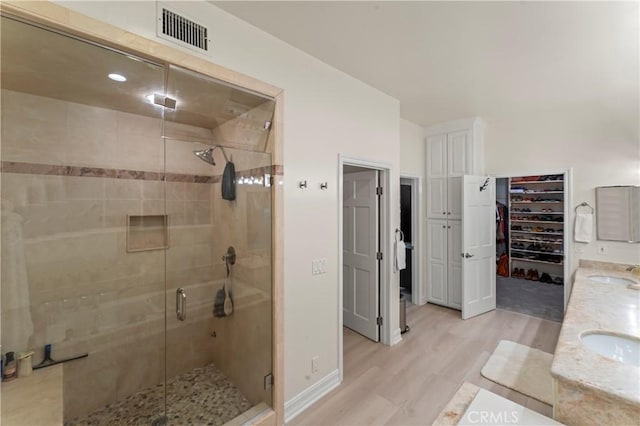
{"x": 202, "y": 396}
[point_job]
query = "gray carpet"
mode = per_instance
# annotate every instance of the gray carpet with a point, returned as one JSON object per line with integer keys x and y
{"x": 533, "y": 298}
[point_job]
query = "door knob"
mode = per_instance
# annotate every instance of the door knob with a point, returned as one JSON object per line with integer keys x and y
{"x": 466, "y": 255}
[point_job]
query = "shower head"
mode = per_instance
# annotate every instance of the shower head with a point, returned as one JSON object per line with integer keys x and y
{"x": 206, "y": 155}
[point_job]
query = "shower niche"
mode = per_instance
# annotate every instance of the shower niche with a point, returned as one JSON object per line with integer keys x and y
{"x": 100, "y": 233}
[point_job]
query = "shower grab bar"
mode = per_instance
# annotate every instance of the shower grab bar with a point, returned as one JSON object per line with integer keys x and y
{"x": 181, "y": 304}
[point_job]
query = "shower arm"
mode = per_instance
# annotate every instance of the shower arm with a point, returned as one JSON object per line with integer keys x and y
{"x": 226, "y": 159}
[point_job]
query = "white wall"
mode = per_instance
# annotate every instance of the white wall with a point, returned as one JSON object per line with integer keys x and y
{"x": 601, "y": 148}
{"x": 412, "y": 164}
{"x": 326, "y": 113}
{"x": 412, "y": 149}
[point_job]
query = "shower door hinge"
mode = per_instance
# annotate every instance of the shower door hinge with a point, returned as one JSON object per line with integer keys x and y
{"x": 164, "y": 101}
{"x": 268, "y": 180}
{"x": 379, "y": 320}
{"x": 379, "y": 190}
{"x": 379, "y": 255}
{"x": 268, "y": 381}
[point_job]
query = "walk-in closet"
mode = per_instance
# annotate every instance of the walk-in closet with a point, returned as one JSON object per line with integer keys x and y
{"x": 530, "y": 245}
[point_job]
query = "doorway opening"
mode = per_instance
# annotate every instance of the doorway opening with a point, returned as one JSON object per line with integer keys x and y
{"x": 365, "y": 253}
{"x": 531, "y": 218}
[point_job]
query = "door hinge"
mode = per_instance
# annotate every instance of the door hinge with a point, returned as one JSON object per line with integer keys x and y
{"x": 268, "y": 381}
{"x": 164, "y": 101}
{"x": 379, "y": 320}
{"x": 379, "y": 190}
{"x": 379, "y": 255}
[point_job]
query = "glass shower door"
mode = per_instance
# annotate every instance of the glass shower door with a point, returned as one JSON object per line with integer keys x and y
{"x": 218, "y": 264}
{"x": 83, "y": 231}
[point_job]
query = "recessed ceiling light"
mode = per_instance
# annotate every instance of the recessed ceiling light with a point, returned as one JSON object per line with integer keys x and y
{"x": 117, "y": 77}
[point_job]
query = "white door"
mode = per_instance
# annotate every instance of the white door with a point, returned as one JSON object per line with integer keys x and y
{"x": 478, "y": 245}
{"x": 437, "y": 176}
{"x": 360, "y": 263}
{"x": 437, "y": 261}
{"x": 454, "y": 263}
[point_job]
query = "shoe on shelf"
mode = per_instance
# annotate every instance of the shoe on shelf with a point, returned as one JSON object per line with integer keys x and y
{"x": 534, "y": 275}
{"x": 557, "y": 281}
{"x": 545, "y": 278}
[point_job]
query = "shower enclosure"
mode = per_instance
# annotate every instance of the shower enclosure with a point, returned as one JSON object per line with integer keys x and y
{"x": 115, "y": 235}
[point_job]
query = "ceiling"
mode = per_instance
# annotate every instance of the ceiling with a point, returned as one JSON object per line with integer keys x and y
{"x": 448, "y": 60}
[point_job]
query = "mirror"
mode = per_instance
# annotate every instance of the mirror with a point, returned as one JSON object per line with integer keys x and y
{"x": 618, "y": 213}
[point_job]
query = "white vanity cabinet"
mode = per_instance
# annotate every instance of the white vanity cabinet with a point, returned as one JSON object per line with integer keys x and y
{"x": 453, "y": 150}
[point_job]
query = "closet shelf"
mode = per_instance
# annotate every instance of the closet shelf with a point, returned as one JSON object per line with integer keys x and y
{"x": 536, "y": 192}
{"x": 536, "y": 261}
{"x": 524, "y": 182}
{"x": 537, "y": 221}
{"x": 542, "y": 213}
{"x": 525, "y": 240}
{"x": 538, "y": 233}
{"x": 536, "y": 252}
{"x": 536, "y": 202}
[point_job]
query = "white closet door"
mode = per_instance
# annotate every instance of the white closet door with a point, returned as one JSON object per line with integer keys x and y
{"x": 454, "y": 198}
{"x": 437, "y": 176}
{"x": 437, "y": 261}
{"x": 459, "y": 153}
{"x": 360, "y": 263}
{"x": 454, "y": 263}
{"x": 478, "y": 246}
{"x": 437, "y": 156}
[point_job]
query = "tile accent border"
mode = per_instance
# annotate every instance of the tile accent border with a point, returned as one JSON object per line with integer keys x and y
{"x": 78, "y": 171}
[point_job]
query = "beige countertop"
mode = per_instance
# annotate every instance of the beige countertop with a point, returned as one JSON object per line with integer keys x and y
{"x": 597, "y": 306}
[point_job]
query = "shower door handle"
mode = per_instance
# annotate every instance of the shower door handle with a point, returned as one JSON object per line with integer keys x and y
{"x": 181, "y": 304}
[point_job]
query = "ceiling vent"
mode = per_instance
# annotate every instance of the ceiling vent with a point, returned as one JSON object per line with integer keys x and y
{"x": 176, "y": 27}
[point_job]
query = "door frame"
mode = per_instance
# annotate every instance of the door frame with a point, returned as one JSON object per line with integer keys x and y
{"x": 386, "y": 270}
{"x": 568, "y": 245}
{"x": 418, "y": 287}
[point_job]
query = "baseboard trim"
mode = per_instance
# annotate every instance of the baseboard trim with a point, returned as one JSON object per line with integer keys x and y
{"x": 396, "y": 336}
{"x": 307, "y": 397}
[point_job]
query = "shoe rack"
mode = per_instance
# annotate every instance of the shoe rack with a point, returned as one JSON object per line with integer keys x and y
{"x": 536, "y": 227}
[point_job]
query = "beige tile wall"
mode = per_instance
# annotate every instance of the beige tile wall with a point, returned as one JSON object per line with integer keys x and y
{"x": 87, "y": 294}
{"x": 242, "y": 348}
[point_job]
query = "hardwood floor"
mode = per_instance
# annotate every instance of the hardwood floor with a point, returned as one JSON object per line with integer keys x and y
{"x": 408, "y": 384}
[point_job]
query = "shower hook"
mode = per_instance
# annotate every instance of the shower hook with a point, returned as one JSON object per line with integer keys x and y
{"x": 229, "y": 258}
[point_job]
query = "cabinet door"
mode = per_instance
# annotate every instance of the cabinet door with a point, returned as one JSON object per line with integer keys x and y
{"x": 437, "y": 261}
{"x": 454, "y": 264}
{"x": 459, "y": 153}
{"x": 437, "y": 176}
{"x": 437, "y": 156}
{"x": 454, "y": 198}
{"x": 437, "y": 201}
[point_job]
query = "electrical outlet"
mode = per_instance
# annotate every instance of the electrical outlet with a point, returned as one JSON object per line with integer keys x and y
{"x": 602, "y": 249}
{"x": 314, "y": 364}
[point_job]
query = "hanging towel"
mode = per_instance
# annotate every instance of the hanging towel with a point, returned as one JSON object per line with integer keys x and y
{"x": 229, "y": 182}
{"x": 401, "y": 255}
{"x": 583, "y": 229}
{"x": 218, "y": 303}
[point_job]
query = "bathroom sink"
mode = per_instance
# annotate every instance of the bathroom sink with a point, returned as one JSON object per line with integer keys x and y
{"x": 610, "y": 280}
{"x": 619, "y": 347}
